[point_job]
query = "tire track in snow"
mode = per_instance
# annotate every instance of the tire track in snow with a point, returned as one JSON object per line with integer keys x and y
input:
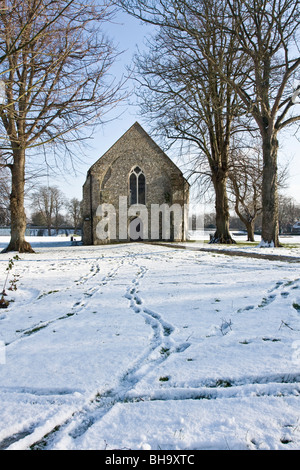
{"x": 79, "y": 423}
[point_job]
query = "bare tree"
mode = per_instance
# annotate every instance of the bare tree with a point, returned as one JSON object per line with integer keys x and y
{"x": 4, "y": 194}
{"x": 47, "y": 201}
{"x": 267, "y": 34}
{"x": 245, "y": 186}
{"x": 59, "y": 202}
{"x": 74, "y": 212}
{"x": 245, "y": 181}
{"x": 182, "y": 90}
{"x": 15, "y": 45}
{"x": 56, "y": 85}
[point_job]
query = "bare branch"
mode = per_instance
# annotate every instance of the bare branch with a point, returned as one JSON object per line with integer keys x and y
{"x": 55, "y": 63}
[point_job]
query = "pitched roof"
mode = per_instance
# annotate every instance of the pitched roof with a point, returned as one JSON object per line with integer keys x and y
{"x": 137, "y": 127}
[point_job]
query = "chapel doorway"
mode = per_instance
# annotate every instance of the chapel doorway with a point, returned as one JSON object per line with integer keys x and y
{"x": 136, "y": 230}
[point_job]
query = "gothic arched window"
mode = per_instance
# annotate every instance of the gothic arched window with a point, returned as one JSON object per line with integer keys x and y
{"x": 137, "y": 186}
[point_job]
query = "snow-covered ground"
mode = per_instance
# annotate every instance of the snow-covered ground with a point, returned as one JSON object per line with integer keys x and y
{"x": 291, "y": 244}
{"x": 137, "y": 346}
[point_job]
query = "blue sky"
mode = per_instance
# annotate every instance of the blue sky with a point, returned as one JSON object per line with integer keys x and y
{"x": 127, "y": 33}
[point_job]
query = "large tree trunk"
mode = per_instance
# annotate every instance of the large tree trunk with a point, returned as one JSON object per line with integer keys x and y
{"x": 18, "y": 216}
{"x": 270, "y": 225}
{"x": 222, "y": 234}
{"x": 250, "y": 231}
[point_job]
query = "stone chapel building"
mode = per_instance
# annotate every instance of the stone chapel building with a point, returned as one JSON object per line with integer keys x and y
{"x": 132, "y": 184}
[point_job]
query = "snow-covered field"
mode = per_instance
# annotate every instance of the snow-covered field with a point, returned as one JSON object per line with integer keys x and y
{"x": 138, "y": 346}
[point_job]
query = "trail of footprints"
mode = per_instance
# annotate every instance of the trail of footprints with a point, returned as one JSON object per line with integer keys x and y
{"x": 285, "y": 289}
{"x": 79, "y": 304}
{"x": 162, "y": 330}
{"x": 162, "y": 344}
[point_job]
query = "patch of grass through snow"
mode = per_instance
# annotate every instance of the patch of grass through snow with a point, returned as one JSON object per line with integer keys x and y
{"x": 296, "y": 306}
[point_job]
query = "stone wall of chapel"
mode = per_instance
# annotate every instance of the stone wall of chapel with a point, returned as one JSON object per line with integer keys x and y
{"x": 109, "y": 178}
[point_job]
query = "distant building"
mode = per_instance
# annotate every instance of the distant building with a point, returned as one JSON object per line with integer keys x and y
{"x": 296, "y": 228}
{"x": 134, "y": 174}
